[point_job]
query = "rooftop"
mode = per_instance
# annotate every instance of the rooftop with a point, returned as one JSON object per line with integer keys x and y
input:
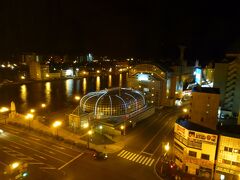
{"x": 206, "y": 90}
{"x": 195, "y": 127}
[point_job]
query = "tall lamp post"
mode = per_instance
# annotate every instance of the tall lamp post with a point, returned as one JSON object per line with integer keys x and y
{"x": 29, "y": 117}
{"x": 90, "y": 132}
{"x": 56, "y": 125}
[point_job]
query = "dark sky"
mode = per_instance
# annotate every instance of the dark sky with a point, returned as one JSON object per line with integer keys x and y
{"x": 147, "y": 29}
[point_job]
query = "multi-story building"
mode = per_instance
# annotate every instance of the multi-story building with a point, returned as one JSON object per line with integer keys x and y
{"x": 204, "y": 106}
{"x": 195, "y": 148}
{"x": 227, "y": 78}
{"x": 228, "y": 157}
{"x": 151, "y": 80}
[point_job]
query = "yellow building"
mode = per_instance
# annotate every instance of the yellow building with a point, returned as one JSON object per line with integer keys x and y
{"x": 228, "y": 158}
{"x": 204, "y": 106}
{"x": 195, "y": 148}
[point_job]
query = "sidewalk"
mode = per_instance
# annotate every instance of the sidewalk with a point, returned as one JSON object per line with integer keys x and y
{"x": 67, "y": 135}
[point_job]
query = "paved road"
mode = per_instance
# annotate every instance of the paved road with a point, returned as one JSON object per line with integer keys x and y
{"x": 47, "y": 156}
{"x": 51, "y": 160}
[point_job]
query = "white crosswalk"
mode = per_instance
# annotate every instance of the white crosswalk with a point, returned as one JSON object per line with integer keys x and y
{"x": 138, "y": 158}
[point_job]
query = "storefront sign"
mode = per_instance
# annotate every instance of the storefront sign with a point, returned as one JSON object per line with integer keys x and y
{"x": 203, "y": 136}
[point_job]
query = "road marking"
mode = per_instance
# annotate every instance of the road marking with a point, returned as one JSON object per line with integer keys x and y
{"x": 60, "y": 147}
{"x": 3, "y": 163}
{"x": 147, "y": 153}
{"x": 151, "y": 162}
{"x": 119, "y": 154}
{"x": 135, "y": 157}
{"x": 34, "y": 138}
{"x": 25, "y": 142}
{"x": 142, "y": 159}
{"x": 40, "y": 156}
{"x": 47, "y": 168}
{"x": 49, "y": 151}
{"x": 70, "y": 161}
{"x": 36, "y": 151}
{"x": 138, "y": 158}
{"x": 126, "y": 155}
{"x": 16, "y": 147}
{"x": 35, "y": 163}
{"x": 148, "y": 161}
{"x": 132, "y": 157}
{"x": 145, "y": 160}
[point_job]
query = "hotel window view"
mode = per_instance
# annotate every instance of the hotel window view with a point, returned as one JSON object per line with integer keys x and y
{"x": 119, "y": 90}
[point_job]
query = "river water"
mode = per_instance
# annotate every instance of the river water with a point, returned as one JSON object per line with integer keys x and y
{"x": 57, "y": 94}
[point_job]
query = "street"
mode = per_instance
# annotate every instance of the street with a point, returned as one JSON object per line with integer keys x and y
{"x": 49, "y": 159}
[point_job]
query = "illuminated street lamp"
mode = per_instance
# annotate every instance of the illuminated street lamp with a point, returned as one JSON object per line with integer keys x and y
{"x": 122, "y": 127}
{"x": 32, "y": 110}
{"x": 185, "y": 110}
{"x": 23, "y": 77}
{"x": 90, "y": 132}
{"x": 167, "y": 147}
{"x": 56, "y": 125}
{"x": 29, "y": 117}
{"x": 98, "y": 71}
{"x": 77, "y": 98}
{"x": 43, "y": 105}
{"x": 85, "y": 125}
{"x": 14, "y": 165}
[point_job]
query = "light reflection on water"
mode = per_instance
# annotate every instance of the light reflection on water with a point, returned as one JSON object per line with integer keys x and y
{"x": 57, "y": 94}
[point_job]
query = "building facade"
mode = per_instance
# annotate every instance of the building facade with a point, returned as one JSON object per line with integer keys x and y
{"x": 204, "y": 106}
{"x": 227, "y": 78}
{"x": 194, "y": 148}
{"x": 228, "y": 158}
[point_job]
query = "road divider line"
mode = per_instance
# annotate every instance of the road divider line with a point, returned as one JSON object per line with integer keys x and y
{"x": 47, "y": 168}
{"x": 40, "y": 156}
{"x": 150, "y": 154}
{"x": 59, "y": 147}
{"x": 70, "y": 161}
{"x": 121, "y": 152}
{"x": 35, "y": 163}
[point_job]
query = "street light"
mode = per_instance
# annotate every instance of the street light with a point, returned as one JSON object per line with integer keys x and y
{"x": 90, "y": 132}
{"x": 77, "y": 98}
{"x": 185, "y": 110}
{"x": 167, "y": 147}
{"x": 29, "y": 116}
{"x": 32, "y": 110}
{"x": 122, "y": 127}
{"x": 43, "y": 105}
{"x": 57, "y": 124}
{"x": 14, "y": 165}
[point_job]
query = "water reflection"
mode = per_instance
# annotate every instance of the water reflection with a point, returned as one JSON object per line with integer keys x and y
{"x": 23, "y": 93}
{"x": 48, "y": 92}
{"x": 84, "y": 85}
{"x": 109, "y": 81}
{"x": 98, "y": 83}
{"x": 120, "y": 80}
{"x": 69, "y": 87}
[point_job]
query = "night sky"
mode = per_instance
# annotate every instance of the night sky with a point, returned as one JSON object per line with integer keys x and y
{"x": 144, "y": 29}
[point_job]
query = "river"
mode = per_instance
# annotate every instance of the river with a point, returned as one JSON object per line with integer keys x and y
{"x": 56, "y": 94}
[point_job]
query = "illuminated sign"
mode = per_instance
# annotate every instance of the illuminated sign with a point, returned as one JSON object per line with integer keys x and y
{"x": 143, "y": 77}
{"x": 203, "y": 136}
{"x": 198, "y": 75}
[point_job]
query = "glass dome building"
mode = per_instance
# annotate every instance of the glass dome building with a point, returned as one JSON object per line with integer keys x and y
{"x": 112, "y": 102}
